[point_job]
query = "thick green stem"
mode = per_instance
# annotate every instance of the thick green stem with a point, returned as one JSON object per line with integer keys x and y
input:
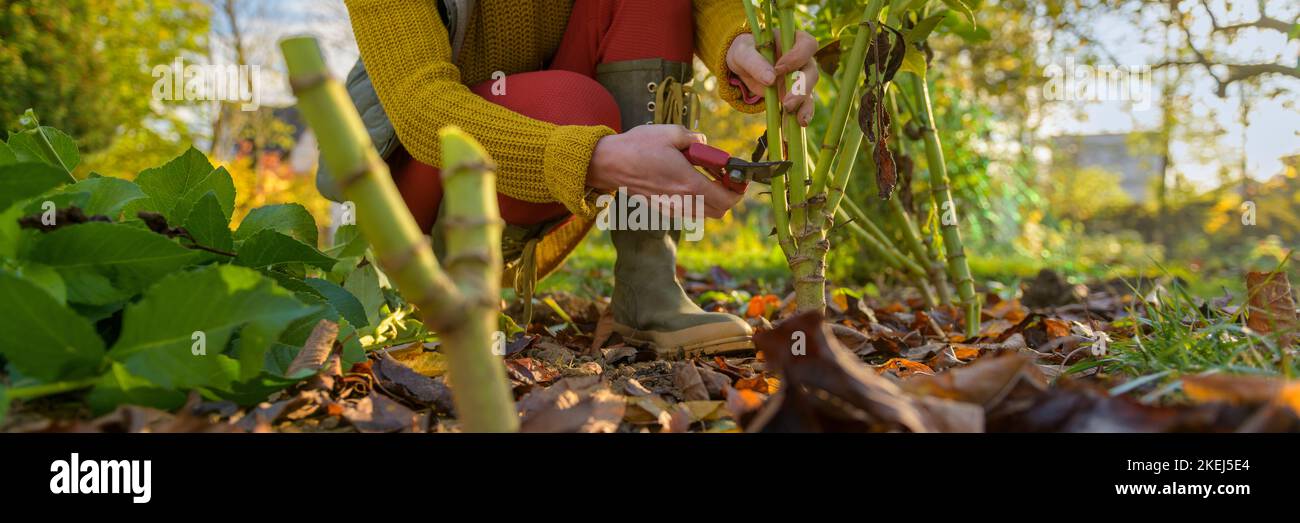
{"x": 852, "y": 212}
{"x": 796, "y": 138}
{"x": 472, "y": 227}
{"x": 775, "y": 152}
{"x": 949, "y": 219}
{"x": 482, "y": 394}
{"x": 919, "y": 249}
{"x": 847, "y": 87}
{"x": 850, "y": 149}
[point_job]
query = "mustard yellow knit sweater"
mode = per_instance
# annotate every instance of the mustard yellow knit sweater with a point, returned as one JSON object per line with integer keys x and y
{"x": 406, "y": 51}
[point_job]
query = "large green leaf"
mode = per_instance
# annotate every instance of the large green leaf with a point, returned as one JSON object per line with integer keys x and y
{"x": 209, "y": 225}
{"x": 966, "y": 7}
{"x": 20, "y": 181}
{"x": 290, "y": 218}
{"x": 43, "y": 339}
{"x": 105, "y": 195}
{"x": 106, "y": 262}
{"x": 46, "y": 278}
{"x": 7, "y": 154}
{"x": 160, "y": 331}
{"x": 269, "y": 248}
{"x": 348, "y": 243}
{"x": 118, "y": 387}
{"x": 10, "y": 233}
{"x": 174, "y": 188}
{"x": 343, "y": 301}
{"x": 29, "y": 146}
{"x": 364, "y": 284}
{"x": 923, "y": 29}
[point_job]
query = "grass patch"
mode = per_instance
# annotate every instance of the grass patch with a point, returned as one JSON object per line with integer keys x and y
{"x": 1177, "y": 336}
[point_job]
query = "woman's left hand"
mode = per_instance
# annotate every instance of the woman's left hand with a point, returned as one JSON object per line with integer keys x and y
{"x": 757, "y": 73}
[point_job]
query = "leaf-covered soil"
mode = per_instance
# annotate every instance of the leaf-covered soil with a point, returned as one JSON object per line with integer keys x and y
{"x": 872, "y": 364}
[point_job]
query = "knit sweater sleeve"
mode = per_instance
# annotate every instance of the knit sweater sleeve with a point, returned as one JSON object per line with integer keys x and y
{"x": 406, "y": 51}
{"x": 717, "y": 23}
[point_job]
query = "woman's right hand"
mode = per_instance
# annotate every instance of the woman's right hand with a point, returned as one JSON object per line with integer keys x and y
{"x": 648, "y": 161}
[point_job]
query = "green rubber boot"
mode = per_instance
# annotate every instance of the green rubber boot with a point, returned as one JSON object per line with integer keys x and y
{"x": 650, "y": 306}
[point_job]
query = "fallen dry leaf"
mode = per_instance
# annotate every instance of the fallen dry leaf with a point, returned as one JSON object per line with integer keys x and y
{"x": 904, "y": 368}
{"x": 402, "y": 381}
{"x": 317, "y": 349}
{"x": 1243, "y": 390}
{"x": 1271, "y": 306}
{"x": 825, "y": 387}
{"x": 376, "y": 413}
{"x": 604, "y": 329}
{"x": 687, "y": 379}
{"x": 578, "y": 404}
{"x": 984, "y": 382}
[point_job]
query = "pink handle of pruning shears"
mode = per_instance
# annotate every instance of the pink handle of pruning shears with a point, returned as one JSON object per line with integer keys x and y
{"x": 716, "y": 161}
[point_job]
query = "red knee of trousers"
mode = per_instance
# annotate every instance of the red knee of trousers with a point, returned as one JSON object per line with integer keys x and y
{"x": 559, "y": 97}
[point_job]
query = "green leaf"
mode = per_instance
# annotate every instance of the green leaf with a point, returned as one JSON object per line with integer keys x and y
{"x": 208, "y": 224}
{"x": 46, "y": 278}
{"x": 20, "y": 181}
{"x": 349, "y": 242}
{"x": 105, "y": 195}
{"x": 30, "y": 145}
{"x": 922, "y": 30}
{"x": 363, "y": 283}
{"x": 175, "y": 335}
{"x": 43, "y": 339}
{"x": 290, "y": 218}
{"x": 175, "y": 187}
{"x": 10, "y": 233}
{"x": 965, "y": 6}
{"x": 269, "y": 248}
{"x": 7, "y": 154}
{"x": 914, "y": 62}
{"x": 849, "y": 17}
{"x": 120, "y": 387}
{"x": 343, "y": 301}
{"x": 107, "y": 262}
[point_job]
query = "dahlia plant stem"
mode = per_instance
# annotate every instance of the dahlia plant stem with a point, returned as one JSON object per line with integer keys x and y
{"x": 846, "y": 91}
{"x": 958, "y": 266}
{"x": 463, "y": 315}
{"x": 763, "y": 41}
{"x": 854, "y": 213}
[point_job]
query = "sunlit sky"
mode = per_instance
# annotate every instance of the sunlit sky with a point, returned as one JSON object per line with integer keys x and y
{"x": 1273, "y": 131}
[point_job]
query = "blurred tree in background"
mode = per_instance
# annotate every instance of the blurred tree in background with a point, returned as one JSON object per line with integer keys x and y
{"x": 85, "y": 66}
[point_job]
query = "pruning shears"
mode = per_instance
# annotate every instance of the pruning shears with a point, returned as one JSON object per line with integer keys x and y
{"x": 731, "y": 172}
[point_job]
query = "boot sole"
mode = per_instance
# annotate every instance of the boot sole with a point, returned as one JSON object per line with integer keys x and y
{"x": 705, "y": 348}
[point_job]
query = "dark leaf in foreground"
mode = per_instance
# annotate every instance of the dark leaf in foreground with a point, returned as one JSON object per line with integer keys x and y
{"x": 826, "y": 388}
{"x": 411, "y": 386}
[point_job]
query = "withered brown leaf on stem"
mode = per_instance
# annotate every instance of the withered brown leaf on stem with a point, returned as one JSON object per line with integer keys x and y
{"x": 886, "y": 172}
{"x": 884, "y": 58}
{"x": 828, "y": 57}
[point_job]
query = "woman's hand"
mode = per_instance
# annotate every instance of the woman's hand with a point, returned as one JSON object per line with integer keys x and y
{"x": 757, "y": 73}
{"x": 648, "y": 161}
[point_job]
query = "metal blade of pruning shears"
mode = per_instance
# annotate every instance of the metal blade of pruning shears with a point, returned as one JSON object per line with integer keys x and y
{"x": 731, "y": 172}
